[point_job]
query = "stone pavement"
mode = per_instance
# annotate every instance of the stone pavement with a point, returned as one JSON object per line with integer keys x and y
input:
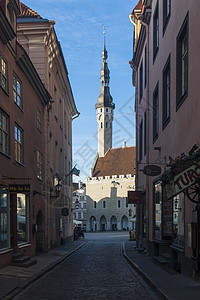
{"x": 168, "y": 284}
{"x": 14, "y": 279}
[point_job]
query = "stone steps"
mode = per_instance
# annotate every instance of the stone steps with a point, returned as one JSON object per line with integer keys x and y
{"x": 19, "y": 260}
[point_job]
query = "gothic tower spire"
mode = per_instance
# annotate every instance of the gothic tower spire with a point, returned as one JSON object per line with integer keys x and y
{"x": 104, "y": 107}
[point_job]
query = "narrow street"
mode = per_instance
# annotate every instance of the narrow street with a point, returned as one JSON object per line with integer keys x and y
{"x": 95, "y": 271}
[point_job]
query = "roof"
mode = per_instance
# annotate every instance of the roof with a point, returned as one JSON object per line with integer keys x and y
{"x": 117, "y": 161}
{"x": 138, "y": 7}
{"x": 25, "y": 11}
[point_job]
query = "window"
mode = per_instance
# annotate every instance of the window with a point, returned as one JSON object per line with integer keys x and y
{"x": 155, "y": 32}
{"x": 140, "y": 140}
{"x": 22, "y": 219}
{"x": 126, "y": 201}
{"x": 182, "y": 64}
{"x": 3, "y": 73}
{"x": 101, "y": 125}
{"x": 4, "y": 218}
{"x": 141, "y": 79}
{"x": 19, "y": 155}
{"x": 145, "y": 133}
{"x": 118, "y": 203}
{"x": 104, "y": 204}
{"x": 166, "y": 13}
{"x": 166, "y": 93}
{"x": 158, "y": 209}
{"x": 106, "y": 124}
{"x": 17, "y": 91}
{"x": 39, "y": 125}
{"x": 145, "y": 66}
{"x": 39, "y": 165}
{"x": 81, "y": 198}
{"x": 178, "y": 219}
{"x": 95, "y": 204}
{"x": 155, "y": 113}
{"x": 4, "y": 133}
{"x": 84, "y": 206}
{"x": 79, "y": 215}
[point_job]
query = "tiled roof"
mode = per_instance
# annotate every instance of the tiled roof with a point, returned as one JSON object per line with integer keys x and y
{"x": 25, "y": 11}
{"x": 117, "y": 161}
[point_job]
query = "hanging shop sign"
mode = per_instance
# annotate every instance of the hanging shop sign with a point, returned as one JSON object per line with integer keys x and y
{"x": 152, "y": 170}
{"x": 65, "y": 211}
{"x": 182, "y": 181}
{"x": 134, "y": 197}
{"x": 19, "y": 188}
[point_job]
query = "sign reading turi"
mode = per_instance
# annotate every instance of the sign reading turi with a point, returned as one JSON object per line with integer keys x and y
{"x": 186, "y": 178}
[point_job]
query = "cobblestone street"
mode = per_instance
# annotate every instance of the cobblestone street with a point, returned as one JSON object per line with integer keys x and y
{"x": 95, "y": 271}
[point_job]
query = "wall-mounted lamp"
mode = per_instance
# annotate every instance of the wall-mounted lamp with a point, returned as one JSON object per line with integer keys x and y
{"x": 58, "y": 188}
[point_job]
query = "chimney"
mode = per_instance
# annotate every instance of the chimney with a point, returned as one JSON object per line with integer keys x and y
{"x": 124, "y": 145}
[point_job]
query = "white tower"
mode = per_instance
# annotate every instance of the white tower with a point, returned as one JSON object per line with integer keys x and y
{"x": 104, "y": 108}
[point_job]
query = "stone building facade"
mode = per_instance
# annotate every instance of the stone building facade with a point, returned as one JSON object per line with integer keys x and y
{"x": 107, "y": 194}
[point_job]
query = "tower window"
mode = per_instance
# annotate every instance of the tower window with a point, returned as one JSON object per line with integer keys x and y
{"x": 106, "y": 124}
{"x": 101, "y": 125}
{"x": 106, "y": 109}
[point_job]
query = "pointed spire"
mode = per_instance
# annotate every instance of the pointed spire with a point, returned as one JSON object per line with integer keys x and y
{"x": 105, "y": 99}
{"x": 104, "y": 33}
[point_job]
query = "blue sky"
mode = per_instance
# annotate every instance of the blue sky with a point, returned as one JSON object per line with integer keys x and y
{"x": 79, "y": 27}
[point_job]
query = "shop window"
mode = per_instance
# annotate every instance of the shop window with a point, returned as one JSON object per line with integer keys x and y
{"x": 22, "y": 219}
{"x": 157, "y": 209}
{"x": 182, "y": 64}
{"x": 144, "y": 225}
{"x": 4, "y": 219}
{"x": 19, "y": 151}
{"x": 3, "y": 73}
{"x": 178, "y": 220}
{"x": 17, "y": 91}
{"x": 4, "y": 133}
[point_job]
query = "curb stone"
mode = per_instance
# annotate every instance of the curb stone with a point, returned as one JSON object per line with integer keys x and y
{"x": 145, "y": 276}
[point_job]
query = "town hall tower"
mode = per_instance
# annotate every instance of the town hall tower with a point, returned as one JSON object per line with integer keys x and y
{"x": 104, "y": 108}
